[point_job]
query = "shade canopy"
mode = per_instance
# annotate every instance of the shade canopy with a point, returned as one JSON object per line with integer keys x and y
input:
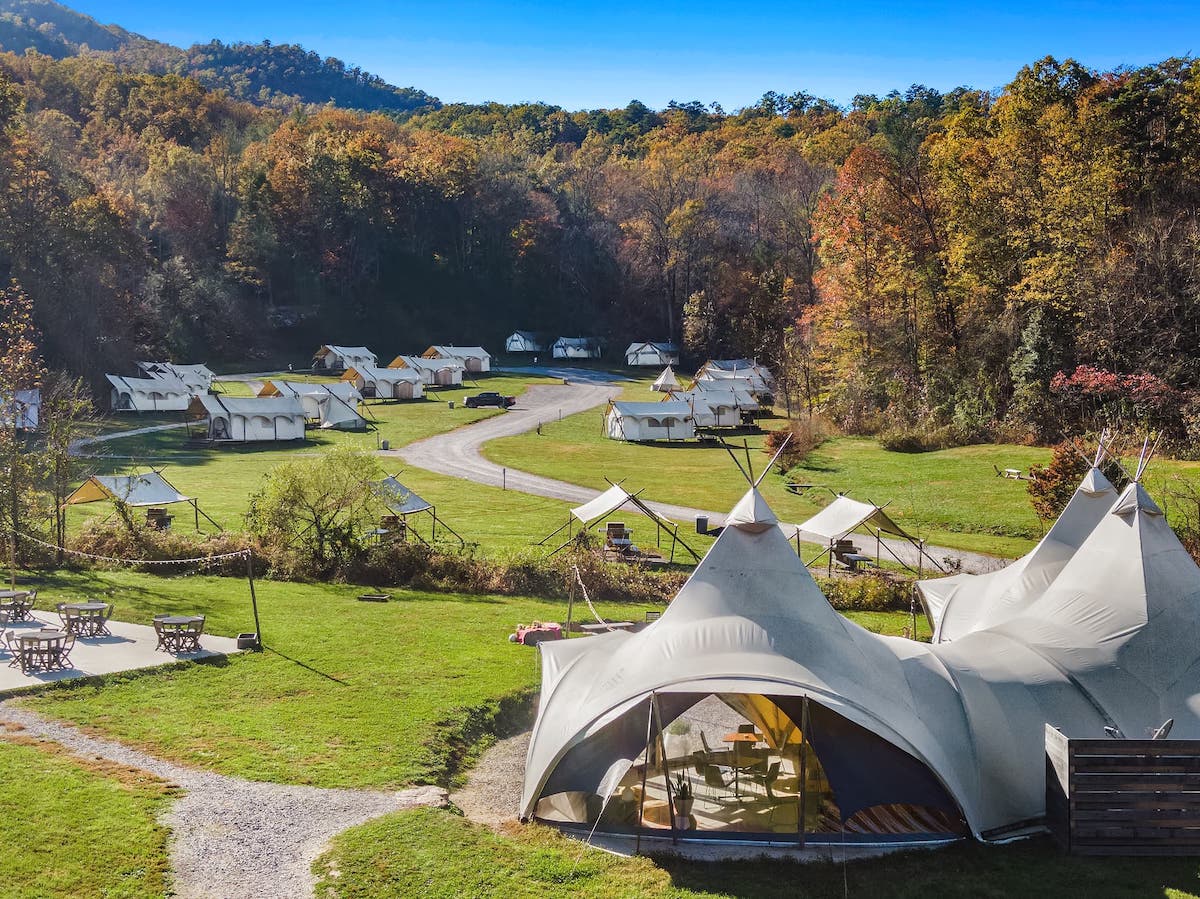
{"x": 844, "y": 515}
{"x": 149, "y": 489}
{"x": 399, "y": 499}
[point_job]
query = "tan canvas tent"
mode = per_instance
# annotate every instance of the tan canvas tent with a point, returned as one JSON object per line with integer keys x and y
{"x": 665, "y": 382}
{"x": 138, "y": 491}
{"x": 897, "y": 739}
{"x": 386, "y": 383}
{"x": 473, "y": 358}
{"x": 331, "y": 405}
{"x": 158, "y": 394}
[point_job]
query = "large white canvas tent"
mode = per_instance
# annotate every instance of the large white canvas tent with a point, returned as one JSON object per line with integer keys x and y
{"x": 473, "y": 358}
{"x": 524, "y": 342}
{"x": 199, "y": 377}
{"x": 338, "y": 358}
{"x": 844, "y": 516}
{"x": 22, "y": 411}
{"x": 432, "y": 372}
{"x": 331, "y": 405}
{"x": 744, "y": 398}
{"x": 665, "y": 382}
{"x": 963, "y": 603}
{"x": 402, "y": 503}
{"x": 229, "y": 419}
{"x": 710, "y": 409}
{"x": 386, "y": 383}
{"x": 637, "y": 422}
{"x": 575, "y": 348}
{"x": 873, "y": 737}
{"x": 137, "y": 491}
{"x": 608, "y": 503}
{"x": 757, "y": 378}
{"x": 652, "y": 354}
{"x": 159, "y": 394}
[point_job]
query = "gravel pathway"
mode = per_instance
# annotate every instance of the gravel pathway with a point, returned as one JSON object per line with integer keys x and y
{"x": 234, "y": 838}
{"x": 492, "y": 793}
{"x": 458, "y": 453}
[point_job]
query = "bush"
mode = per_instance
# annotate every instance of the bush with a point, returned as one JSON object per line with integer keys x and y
{"x": 1051, "y": 486}
{"x": 870, "y": 591}
{"x": 807, "y": 434}
{"x": 119, "y": 541}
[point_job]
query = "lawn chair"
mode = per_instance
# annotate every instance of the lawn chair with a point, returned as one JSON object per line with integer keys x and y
{"x": 20, "y": 606}
{"x": 60, "y": 652}
{"x": 13, "y": 647}
{"x": 99, "y": 624}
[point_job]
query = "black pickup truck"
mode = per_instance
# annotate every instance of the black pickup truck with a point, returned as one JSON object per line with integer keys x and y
{"x": 489, "y": 399}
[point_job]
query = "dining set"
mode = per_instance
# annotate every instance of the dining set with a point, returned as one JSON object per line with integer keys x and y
{"x": 46, "y": 649}
{"x": 747, "y": 759}
{"x": 85, "y": 619}
{"x": 179, "y": 633}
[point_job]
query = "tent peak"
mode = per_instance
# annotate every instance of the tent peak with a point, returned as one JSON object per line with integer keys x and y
{"x": 1136, "y": 499}
{"x": 1095, "y": 483}
{"x": 752, "y": 513}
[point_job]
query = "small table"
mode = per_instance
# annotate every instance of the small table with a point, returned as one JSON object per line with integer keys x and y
{"x": 89, "y": 619}
{"x": 735, "y": 739}
{"x": 42, "y": 650}
{"x": 14, "y": 602}
{"x": 176, "y": 635}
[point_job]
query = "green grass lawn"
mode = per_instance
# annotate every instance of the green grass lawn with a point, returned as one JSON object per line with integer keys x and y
{"x": 436, "y": 854}
{"x": 348, "y": 693}
{"x": 76, "y": 828}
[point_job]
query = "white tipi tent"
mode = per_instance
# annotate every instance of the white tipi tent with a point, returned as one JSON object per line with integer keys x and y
{"x": 665, "y": 382}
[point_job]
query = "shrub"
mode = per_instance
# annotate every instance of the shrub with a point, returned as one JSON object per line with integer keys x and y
{"x": 870, "y": 591}
{"x": 1051, "y": 486}
{"x": 118, "y": 541}
{"x": 807, "y": 434}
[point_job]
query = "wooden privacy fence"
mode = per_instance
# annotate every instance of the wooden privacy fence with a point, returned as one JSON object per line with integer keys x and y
{"x": 1123, "y": 797}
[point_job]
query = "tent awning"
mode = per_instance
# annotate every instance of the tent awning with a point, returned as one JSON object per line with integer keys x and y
{"x": 398, "y": 498}
{"x": 150, "y": 489}
{"x": 843, "y": 515}
{"x": 604, "y": 504}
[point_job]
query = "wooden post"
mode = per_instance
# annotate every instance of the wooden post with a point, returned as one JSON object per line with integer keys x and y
{"x": 253, "y": 597}
{"x": 829, "y": 565}
{"x": 921, "y": 557}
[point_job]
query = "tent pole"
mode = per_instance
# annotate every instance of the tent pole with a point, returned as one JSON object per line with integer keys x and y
{"x": 637, "y": 847}
{"x": 829, "y": 567}
{"x": 660, "y": 747}
{"x": 253, "y": 598}
{"x": 878, "y": 543}
{"x": 570, "y": 608}
{"x": 196, "y": 512}
{"x": 921, "y": 558}
{"x": 803, "y": 769}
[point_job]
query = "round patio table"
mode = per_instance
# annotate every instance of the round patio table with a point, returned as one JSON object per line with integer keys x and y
{"x": 179, "y": 620}
{"x": 85, "y": 606}
{"x": 43, "y": 647}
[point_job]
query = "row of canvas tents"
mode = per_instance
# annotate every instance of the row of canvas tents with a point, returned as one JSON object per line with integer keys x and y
{"x": 880, "y": 738}
{"x": 439, "y": 365}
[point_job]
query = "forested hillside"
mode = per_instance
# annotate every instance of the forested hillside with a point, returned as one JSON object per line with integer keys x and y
{"x": 283, "y": 76}
{"x": 943, "y": 267}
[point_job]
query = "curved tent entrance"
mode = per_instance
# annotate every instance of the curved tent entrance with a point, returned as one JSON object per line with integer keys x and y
{"x": 756, "y": 767}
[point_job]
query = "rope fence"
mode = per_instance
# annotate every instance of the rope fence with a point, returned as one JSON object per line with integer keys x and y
{"x": 588, "y": 599}
{"x": 199, "y": 560}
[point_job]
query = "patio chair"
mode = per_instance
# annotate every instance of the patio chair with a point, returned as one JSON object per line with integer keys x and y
{"x": 20, "y": 606}
{"x": 166, "y": 639}
{"x": 13, "y": 647}
{"x": 189, "y": 637}
{"x": 767, "y": 777}
{"x": 60, "y": 609}
{"x": 100, "y": 623}
{"x": 61, "y": 652}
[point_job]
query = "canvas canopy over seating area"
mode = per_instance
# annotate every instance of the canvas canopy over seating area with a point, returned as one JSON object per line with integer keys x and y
{"x": 146, "y": 490}
{"x": 402, "y": 503}
{"x": 899, "y": 740}
{"x": 248, "y": 419}
{"x": 608, "y": 503}
{"x": 844, "y": 515}
{"x": 638, "y": 422}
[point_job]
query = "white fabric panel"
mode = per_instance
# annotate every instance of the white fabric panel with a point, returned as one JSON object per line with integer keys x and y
{"x": 842, "y": 516}
{"x": 149, "y": 489}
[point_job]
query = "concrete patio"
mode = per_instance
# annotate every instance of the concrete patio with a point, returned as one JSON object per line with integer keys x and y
{"x": 130, "y": 647}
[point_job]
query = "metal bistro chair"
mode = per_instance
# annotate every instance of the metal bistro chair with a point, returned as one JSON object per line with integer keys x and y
{"x": 767, "y": 777}
{"x": 716, "y": 782}
{"x": 66, "y": 616}
{"x": 97, "y": 625}
{"x": 14, "y": 649}
{"x": 20, "y": 606}
{"x": 60, "y": 652}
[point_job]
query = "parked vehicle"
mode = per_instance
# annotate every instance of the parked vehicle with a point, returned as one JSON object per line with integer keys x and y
{"x": 489, "y": 399}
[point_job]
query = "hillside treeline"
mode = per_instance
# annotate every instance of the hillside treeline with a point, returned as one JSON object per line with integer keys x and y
{"x": 945, "y": 267}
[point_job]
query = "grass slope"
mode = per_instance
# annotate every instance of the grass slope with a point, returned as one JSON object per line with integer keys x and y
{"x": 79, "y": 829}
{"x": 436, "y": 854}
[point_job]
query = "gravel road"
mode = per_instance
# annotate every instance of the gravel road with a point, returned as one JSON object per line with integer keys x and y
{"x": 235, "y": 838}
{"x": 457, "y": 453}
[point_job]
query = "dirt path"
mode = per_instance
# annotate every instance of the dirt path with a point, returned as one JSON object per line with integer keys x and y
{"x": 235, "y": 838}
{"x": 458, "y": 454}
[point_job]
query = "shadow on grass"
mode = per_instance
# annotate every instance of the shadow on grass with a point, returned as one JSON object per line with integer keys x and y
{"x": 305, "y": 666}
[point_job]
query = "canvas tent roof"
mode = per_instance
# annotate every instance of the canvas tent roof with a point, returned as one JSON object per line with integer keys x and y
{"x": 387, "y": 375}
{"x": 266, "y": 406}
{"x": 666, "y": 381}
{"x": 341, "y": 389}
{"x": 456, "y": 352}
{"x": 843, "y": 515}
{"x": 579, "y": 342}
{"x": 149, "y": 385}
{"x": 661, "y": 346}
{"x": 343, "y": 351}
{"x": 673, "y": 408}
{"x": 149, "y": 489}
{"x": 418, "y": 363}
{"x": 398, "y": 498}
{"x": 1114, "y": 641}
{"x": 963, "y": 603}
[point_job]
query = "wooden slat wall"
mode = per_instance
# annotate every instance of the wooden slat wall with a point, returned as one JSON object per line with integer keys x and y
{"x": 1123, "y": 797}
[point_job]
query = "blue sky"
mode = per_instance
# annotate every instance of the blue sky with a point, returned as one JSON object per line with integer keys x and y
{"x": 586, "y": 55}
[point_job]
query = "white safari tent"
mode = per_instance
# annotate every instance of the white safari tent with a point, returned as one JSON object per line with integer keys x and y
{"x": 137, "y": 491}
{"x": 524, "y": 342}
{"x": 473, "y": 358}
{"x": 22, "y": 411}
{"x": 228, "y": 419}
{"x": 199, "y": 377}
{"x": 666, "y": 382}
{"x": 160, "y": 394}
{"x": 711, "y": 408}
{"x": 575, "y": 348}
{"x": 331, "y": 405}
{"x": 432, "y": 372}
{"x": 652, "y": 354}
{"x": 757, "y": 378}
{"x": 338, "y": 358}
{"x": 385, "y": 383}
{"x": 637, "y": 422}
{"x": 859, "y": 737}
{"x": 844, "y": 516}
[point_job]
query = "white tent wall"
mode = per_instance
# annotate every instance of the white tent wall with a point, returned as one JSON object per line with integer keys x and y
{"x": 149, "y": 394}
{"x": 524, "y": 342}
{"x": 964, "y": 603}
{"x": 251, "y": 419}
{"x": 575, "y": 348}
{"x": 386, "y": 383}
{"x": 637, "y": 422}
{"x": 474, "y": 359}
{"x": 651, "y": 354}
{"x": 431, "y": 372}
{"x": 665, "y": 382}
{"x": 331, "y": 357}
